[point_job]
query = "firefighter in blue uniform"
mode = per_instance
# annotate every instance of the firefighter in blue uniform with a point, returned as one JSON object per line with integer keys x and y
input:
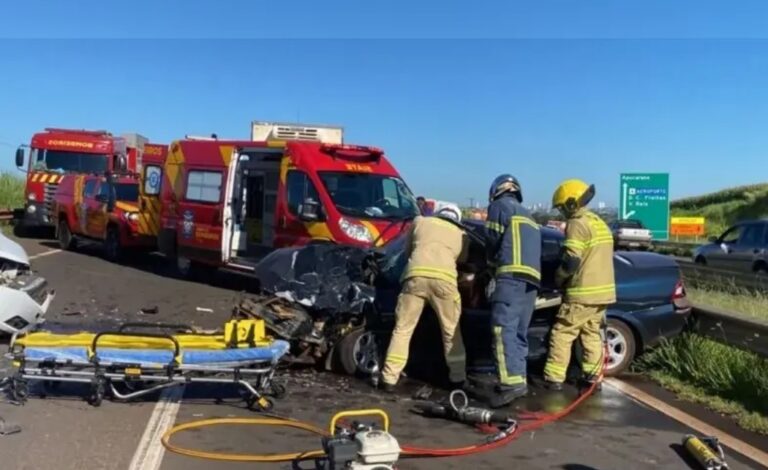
{"x": 514, "y": 249}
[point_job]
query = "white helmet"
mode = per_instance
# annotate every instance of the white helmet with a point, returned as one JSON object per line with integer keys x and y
{"x": 448, "y": 210}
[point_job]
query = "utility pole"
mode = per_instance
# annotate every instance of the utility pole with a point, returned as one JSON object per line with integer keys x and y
{"x": 472, "y": 202}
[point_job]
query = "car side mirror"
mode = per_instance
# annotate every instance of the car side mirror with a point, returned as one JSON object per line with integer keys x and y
{"x": 309, "y": 210}
{"x": 19, "y": 157}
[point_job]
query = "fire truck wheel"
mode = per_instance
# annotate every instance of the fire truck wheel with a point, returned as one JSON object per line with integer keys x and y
{"x": 112, "y": 247}
{"x": 66, "y": 240}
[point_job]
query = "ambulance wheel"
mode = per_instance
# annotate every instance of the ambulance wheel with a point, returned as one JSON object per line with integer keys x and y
{"x": 112, "y": 248}
{"x": 66, "y": 240}
{"x": 260, "y": 403}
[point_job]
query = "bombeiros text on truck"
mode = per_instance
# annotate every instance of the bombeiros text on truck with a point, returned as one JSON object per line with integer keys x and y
{"x": 54, "y": 153}
{"x": 227, "y": 203}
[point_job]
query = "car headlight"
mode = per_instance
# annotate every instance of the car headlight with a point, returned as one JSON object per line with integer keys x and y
{"x": 355, "y": 231}
{"x": 31, "y": 209}
{"x": 132, "y": 216}
{"x": 32, "y": 197}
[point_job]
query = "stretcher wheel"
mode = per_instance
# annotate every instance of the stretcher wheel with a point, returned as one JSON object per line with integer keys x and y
{"x": 278, "y": 390}
{"x": 19, "y": 390}
{"x": 260, "y": 403}
{"x": 97, "y": 393}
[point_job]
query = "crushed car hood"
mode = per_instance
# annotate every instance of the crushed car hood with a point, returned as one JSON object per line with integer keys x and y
{"x": 325, "y": 277}
{"x": 12, "y": 251}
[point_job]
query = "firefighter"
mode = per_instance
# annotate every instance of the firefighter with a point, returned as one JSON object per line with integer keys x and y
{"x": 434, "y": 246}
{"x": 586, "y": 275}
{"x": 514, "y": 248}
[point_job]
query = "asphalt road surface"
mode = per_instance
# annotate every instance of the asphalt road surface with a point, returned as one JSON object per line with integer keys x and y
{"x": 61, "y": 432}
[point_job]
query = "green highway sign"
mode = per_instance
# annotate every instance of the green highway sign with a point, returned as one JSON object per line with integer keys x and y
{"x": 645, "y": 197}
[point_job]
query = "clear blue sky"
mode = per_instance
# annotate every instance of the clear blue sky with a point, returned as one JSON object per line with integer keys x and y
{"x": 563, "y": 89}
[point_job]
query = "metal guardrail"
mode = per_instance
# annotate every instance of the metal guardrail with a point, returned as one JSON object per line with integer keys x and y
{"x": 722, "y": 279}
{"x": 732, "y": 330}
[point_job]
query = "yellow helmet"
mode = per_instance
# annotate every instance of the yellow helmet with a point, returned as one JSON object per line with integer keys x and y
{"x": 572, "y": 195}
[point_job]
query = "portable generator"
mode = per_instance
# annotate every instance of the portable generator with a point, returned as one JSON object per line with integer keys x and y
{"x": 359, "y": 446}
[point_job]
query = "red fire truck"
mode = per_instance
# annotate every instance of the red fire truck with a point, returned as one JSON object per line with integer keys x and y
{"x": 228, "y": 202}
{"x": 56, "y": 152}
{"x": 121, "y": 210}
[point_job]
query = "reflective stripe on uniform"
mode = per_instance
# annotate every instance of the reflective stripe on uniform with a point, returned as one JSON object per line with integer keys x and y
{"x": 432, "y": 273}
{"x": 519, "y": 269}
{"x": 554, "y": 371}
{"x": 396, "y": 359}
{"x": 600, "y": 240}
{"x": 606, "y": 288}
{"x": 575, "y": 244}
{"x": 494, "y": 226}
{"x": 590, "y": 368}
{"x": 504, "y": 377}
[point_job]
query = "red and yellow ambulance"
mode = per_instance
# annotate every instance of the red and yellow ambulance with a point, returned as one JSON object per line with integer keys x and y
{"x": 229, "y": 202}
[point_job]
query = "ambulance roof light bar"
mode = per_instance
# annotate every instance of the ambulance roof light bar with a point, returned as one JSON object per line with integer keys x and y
{"x": 262, "y": 131}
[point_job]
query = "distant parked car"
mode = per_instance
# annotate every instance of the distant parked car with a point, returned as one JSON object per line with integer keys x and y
{"x": 630, "y": 234}
{"x": 743, "y": 247}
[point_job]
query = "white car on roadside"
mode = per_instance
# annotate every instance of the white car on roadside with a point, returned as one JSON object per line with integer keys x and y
{"x": 24, "y": 296}
{"x": 631, "y": 234}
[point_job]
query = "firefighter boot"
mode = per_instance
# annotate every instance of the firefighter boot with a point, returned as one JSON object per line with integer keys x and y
{"x": 507, "y": 394}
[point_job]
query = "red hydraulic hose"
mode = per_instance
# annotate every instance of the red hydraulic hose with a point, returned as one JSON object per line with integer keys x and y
{"x": 505, "y": 438}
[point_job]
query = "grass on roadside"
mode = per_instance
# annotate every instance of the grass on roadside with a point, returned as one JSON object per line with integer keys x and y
{"x": 725, "y": 379}
{"x": 753, "y": 304}
{"x": 11, "y": 191}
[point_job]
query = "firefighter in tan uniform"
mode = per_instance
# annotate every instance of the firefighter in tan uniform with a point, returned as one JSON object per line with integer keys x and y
{"x": 434, "y": 246}
{"x": 586, "y": 274}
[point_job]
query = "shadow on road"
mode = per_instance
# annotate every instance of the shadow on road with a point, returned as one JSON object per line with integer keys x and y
{"x": 685, "y": 456}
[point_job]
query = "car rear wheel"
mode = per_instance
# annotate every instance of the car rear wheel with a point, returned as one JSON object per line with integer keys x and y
{"x": 358, "y": 353}
{"x": 700, "y": 260}
{"x": 66, "y": 240}
{"x": 621, "y": 347}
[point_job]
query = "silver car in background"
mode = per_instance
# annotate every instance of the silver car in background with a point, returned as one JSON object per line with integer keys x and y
{"x": 743, "y": 247}
{"x": 630, "y": 234}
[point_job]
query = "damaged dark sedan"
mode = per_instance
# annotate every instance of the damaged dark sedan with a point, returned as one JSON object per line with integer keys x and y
{"x": 336, "y": 304}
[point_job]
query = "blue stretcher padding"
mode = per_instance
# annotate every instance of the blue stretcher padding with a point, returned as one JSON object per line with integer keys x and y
{"x": 150, "y": 357}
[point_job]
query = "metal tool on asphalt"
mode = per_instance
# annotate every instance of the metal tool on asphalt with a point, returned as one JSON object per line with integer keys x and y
{"x": 707, "y": 451}
{"x": 457, "y": 409}
{"x": 142, "y": 362}
{"x": 7, "y": 428}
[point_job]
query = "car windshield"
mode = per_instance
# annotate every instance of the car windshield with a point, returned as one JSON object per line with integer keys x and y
{"x": 127, "y": 192}
{"x": 62, "y": 161}
{"x": 370, "y": 196}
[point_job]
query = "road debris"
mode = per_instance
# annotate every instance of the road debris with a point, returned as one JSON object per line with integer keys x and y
{"x": 150, "y": 310}
{"x": 8, "y": 428}
{"x": 204, "y": 310}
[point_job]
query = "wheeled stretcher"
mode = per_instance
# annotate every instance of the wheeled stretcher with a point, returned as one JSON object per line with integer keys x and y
{"x": 131, "y": 361}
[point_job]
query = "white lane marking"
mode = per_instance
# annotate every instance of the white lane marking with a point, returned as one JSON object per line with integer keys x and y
{"x": 149, "y": 454}
{"x": 45, "y": 253}
{"x": 697, "y": 425}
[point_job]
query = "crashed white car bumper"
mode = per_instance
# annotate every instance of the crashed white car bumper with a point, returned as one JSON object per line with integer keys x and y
{"x": 24, "y": 303}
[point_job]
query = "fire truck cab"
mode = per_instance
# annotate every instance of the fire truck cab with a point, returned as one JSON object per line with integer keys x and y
{"x": 228, "y": 203}
{"x": 55, "y": 153}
